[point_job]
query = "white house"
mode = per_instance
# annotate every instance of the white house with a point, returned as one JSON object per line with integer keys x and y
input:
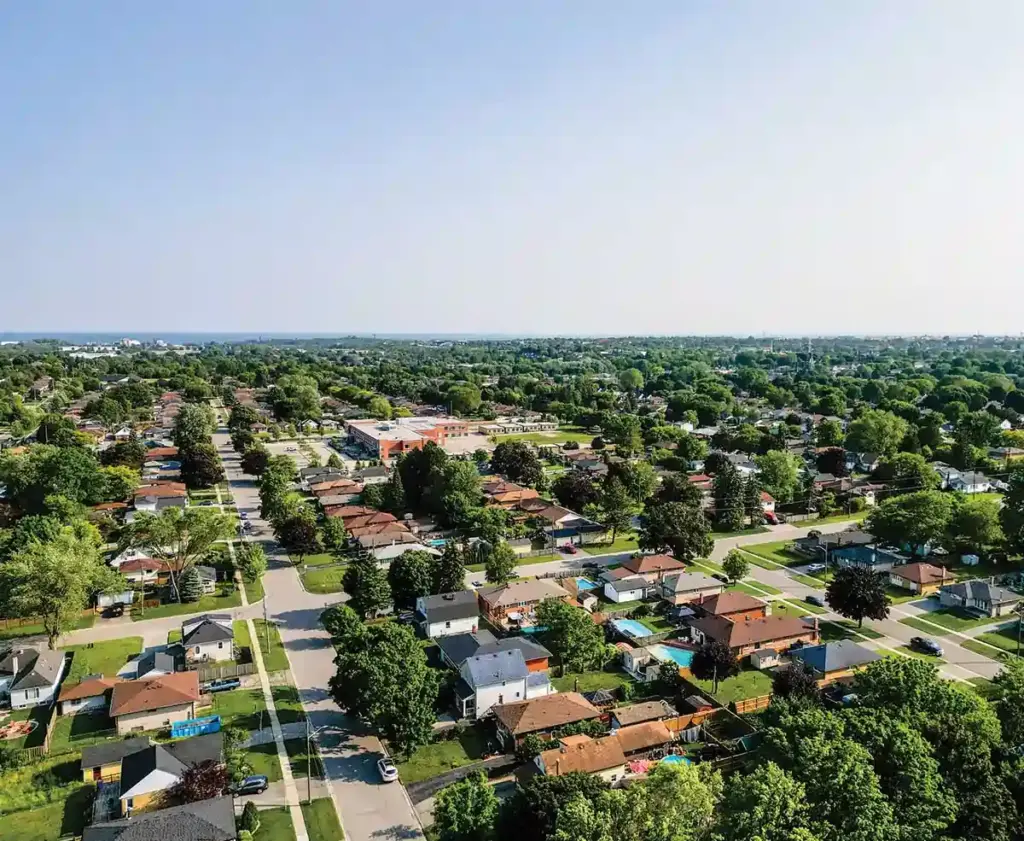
{"x": 971, "y": 482}
{"x": 30, "y": 677}
{"x": 448, "y": 613}
{"x": 500, "y": 677}
{"x": 629, "y": 589}
{"x": 208, "y": 638}
{"x": 91, "y": 695}
{"x": 386, "y": 554}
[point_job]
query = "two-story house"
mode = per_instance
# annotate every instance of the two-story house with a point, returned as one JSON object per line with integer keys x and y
{"x": 689, "y": 587}
{"x": 448, "y": 613}
{"x": 208, "y": 638}
{"x": 29, "y": 677}
{"x": 487, "y": 680}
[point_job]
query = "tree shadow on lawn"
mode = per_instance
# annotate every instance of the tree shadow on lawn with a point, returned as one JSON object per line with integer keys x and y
{"x": 77, "y": 811}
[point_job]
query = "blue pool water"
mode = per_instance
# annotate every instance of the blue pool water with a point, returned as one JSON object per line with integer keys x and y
{"x": 680, "y": 656}
{"x": 586, "y": 584}
{"x": 676, "y": 760}
{"x": 631, "y": 628}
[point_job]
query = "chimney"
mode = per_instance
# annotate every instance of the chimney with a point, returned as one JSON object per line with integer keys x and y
{"x": 14, "y": 663}
{"x": 815, "y": 626}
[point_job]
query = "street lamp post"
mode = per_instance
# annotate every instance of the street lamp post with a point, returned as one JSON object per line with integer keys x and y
{"x": 310, "y": 741}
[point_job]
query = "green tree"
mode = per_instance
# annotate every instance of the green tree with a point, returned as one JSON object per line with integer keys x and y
{"x": 572, "y": 635}
{"x": 673, "y": 526}
{"x": 714, "y": 661}
{"x": 1011, "y": 515}
{"x": 639, "y": 480}
{"x": 200, "y": 466}
{"x": 394, "y": 494}
{"x": 410, "y": 576}
{"x": 333, "y": 536}
{"x": 914, "y": 519}
{"x": 1010, "y": 685}
{"x": 517, "y": 461}
{"x": 465, "y": 810}
{"x": 334, "y": 460}
{"x": 450, "y": 569}
{"x": 383, "y": 678}
{"x": 190, "y": 586}
{"x": 728, "y": 492}
{"x": 858, "y": 593}
{"x": 575, "y": 490}
{"x": 908, "y": 472}
{"x": 343, "y": 624}
{"x": 767, "y": 805}
{"x": 55, "y": 581}
{"x": 250, "y": 821}
{"x": 796, "y": 682}
{"x": 736, "y": 565}
{"x": 464, "y": 398}
{"x": 297, "y": 533}
{"x": 876, "y": 431}
{"x": 379, "y": 407}
{"x": 193, "y": 426}
{"x": 530, "y": 814}
{"x": 129, "y": 453}
{"x": 778, "y": 473}
{"x": 500, "y": 565}
{"x": 120, "y": 482}
{"x": 178, "y": 536}
{"x": 51, "y": 471}
{"x": 367, "y": 586}
{"x": 631, "y": 380}
{"x": 616, "y": 506}
{"x": 251, "y": 560}
{"x": 254, "y": 460}
{"x": 828, "y": 433}
{"x": 975, "y": 526}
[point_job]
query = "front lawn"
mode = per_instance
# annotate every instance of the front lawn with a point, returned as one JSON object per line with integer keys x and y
{"x": 275, "y": 825}
{"x": 263, "y": 760}
{"x": 754, "y": 588}
{"x": 899, "y": 596}
{"x": 439, "y": 757}
{"x": 979, "y": 647}
{"x": 321, "y": 819}
{"x": 521, "y": 562}
{"x": 35, "y": 629}
{"x": 226, "y": 597}
{"x": 620, "y": 544}
{"x": 778, "y": 553}
{"x": 242, "y": 708}
{"x": 749, "y": 683}
{"x": 321, "y": 559}
{"x": 299, "y": 760}
{"x": 591, "y": 681}
{"x": 101, "y": 658}
{"x": 907, "y": 651}
{"x": 948, "y": 620}
{"x": 241, "y": 630}
{"x": 253, "y": 590}
{"x": 835, "y": 518}
{"x": 287, "y": 703}
{"x": 722, "y": 535}
{"x": 1003, "y": 638}
{"x": 322, "y": 581}
{"x": 274, "y": 659}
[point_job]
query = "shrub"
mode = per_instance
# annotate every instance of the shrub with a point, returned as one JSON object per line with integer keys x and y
{"x": 250, "y": 821}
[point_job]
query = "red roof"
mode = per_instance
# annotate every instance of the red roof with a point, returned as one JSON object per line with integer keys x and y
{"x": 767, "y": 497}
{"x": 151, "y": 694}
{"x": 142, "y": 565}
{"x": 698, "y": 477}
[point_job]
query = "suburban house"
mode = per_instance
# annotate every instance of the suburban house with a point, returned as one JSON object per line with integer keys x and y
{"x": 637, "y": 739}
{"x": 486, "y": 680}
{"x": 834, "y": 661}
{"x": 373, "y": 475}
{"x": 748, "y": 635}
{"x": 142, "y": 571}
{"x": 208, "y": 638}
{"x": 102, "y": 762}
{"x": 689, "y": 588}
{"x": 971, "y": 482}
{"x": 981, "y": 595}
{"x": 384, "y": 555}
{"x": 817, "y": 544}
{"x": 154, "y": 664}
{"x": 29, "y": 677}
{"x": 733, "y": 605}
{"x": 509, "y": 605}
{"x": 448, "y": 613}
{"x": 458, "y": 648}
{"x": 148, "y": 773}
{"x": 154, "y": 703}
{"x": 540, "y": 716}
{"x": 641, "y": 713}
{"x": 645, "y": 662}
{"x": 631, "y": 589}
{"x": 920, "y": 577}
{"x": 601, "y": 757}
{"x": 91, "y": 695}
{"x": 653, "y": 567}
{"x": 209, "y": 820}
{"x": 505, "y": 494}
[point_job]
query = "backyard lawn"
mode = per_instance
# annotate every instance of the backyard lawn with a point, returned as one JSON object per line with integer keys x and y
{"x": 59, "y": 819}
{"x": 591, "y": 681}
{"x": 74, "y": 732}
{"x": 275, "y": 825}
{"x": 749, "y": 683}
{"x": 226, "y": 597}
{"x": 287, "y": 704}
{"x": 321, "y": 819}
{"x": 625, "y": 543}
{"x": 274, "y": 660}
{"x": 240, "y": 708}
{"x": 437, "y": 758}
{"x": 322, "y": 581}
{"x": 101, "y": 658}
{"x": 263, "y": 760}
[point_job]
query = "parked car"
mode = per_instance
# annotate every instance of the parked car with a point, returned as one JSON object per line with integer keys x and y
{"x": 222, "y": 685}
{"x": 570, "y": 549}
{"x": 721, "y": 576}
{"x": 815, "y": 567}
{"x": 256, "y": 784}
{"x": 114, "y": 611}
{"x": 386, "y": 768}
{"x": 591, "y": 565}
{"x": 770, "y": 518}
{"x": 926, "y": 646}
{"x": 817, "y": 601}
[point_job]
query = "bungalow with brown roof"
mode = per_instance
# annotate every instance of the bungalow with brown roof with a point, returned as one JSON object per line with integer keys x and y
{"x": 641, "y": 738}
{"x": 154, "y": 703}
{"x": 513, "y": 604}
{"x": 653, "y": 567}
{"x": 91, "y": 695}
{"x": 601, "y": 757}
{"x": 748, "y": 635}
{"x": 733, "y": 605}
{"x": 921, "y": 578}
{"x": 540, "y": 716}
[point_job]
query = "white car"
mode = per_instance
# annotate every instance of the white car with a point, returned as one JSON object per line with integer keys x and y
{"x": 815, "y": 567}
{"x": 386, "y": 768}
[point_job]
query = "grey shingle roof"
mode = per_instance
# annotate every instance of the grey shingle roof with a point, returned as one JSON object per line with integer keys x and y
{"x": 197, "y": 749}
{"x": 686, "y": 582}
{"x": 447, "y": 606}
{"x": 495, "y": 668}
{"x": 531, "y": 650}
{"x": 135, "y": 767}
{"x": 624, "y": 585}
{"x": 107, "y": 753}
{"x": 981, "y": 590}
{"x": 207, "y": 820}
{"x": 155, "y": 661}
{"x": 208, "y": 631}
{"x": 460, "y": 647}
{"x": 835, "y": 656}
{"x": 37, "y": 669}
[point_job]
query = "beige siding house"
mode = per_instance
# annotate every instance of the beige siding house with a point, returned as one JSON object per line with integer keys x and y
{"x": 154, "y": 703}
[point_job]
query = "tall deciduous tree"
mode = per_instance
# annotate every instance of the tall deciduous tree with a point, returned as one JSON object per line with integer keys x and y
{"x": 736, "y": 565}
{"x": 298, "y": 533}
{"x": 673, "y": 526}
{"x": 573, "y": 635}
{"x": 858, "y": 593}
{"x": 450, "y": 569}
{"x": 500, "y": 566}
{"x": 251, "y": 560}
{"x": 200, "y": 782}
{"x": 383, "y": 678}
{"x": 616, "y": 506}
{"x": 367, "y": 585}
{"x": 517, "y": 461}
{"x": 193, "y": 426}
{"x": 410, "y": 576}
{"x": 255, "y": 460}
{"x": 913, "y": 519}
{"x": 876, "y": 431}
{"x": 714, "y": 661}
{"x": 179, "y": 536}
{"x": 466, "y": 810}
{"x": 56, "y": 580}
{"x": 767, "y": 805}
{"x": 778, "y": 473}
{"x": 200, "y": 466}
{"x": 728, "y": 492}
{"x": 575, "y": 490}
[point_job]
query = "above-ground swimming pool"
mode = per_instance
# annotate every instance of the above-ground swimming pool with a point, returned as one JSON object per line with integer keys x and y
{"x": 586, "y": 584}
{"x": 682, "y": 657}
{"x": 632, "y": 628}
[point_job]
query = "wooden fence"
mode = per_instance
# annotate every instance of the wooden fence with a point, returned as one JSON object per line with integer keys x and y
{"x": 226, "y": 670}
{"x": 42, "y": 750}
{"x": 752, "y": 705}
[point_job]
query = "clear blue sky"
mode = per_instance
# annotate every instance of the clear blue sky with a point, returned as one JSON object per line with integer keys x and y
{"x": 546, "y": 167}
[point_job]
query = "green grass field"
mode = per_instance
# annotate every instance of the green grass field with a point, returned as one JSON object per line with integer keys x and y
{"x": 321, "y": 820}
{"x": 835, "y": 518}
{"x": 1003, "y": 638}
{"x": 227, "y": 597}
{"x": 436, "y": 758}
{"x": 35, "y": 629}
{"x": 620, "y": 544}
{"x": 287, "y": 703}
{"x": 559, "y": 436}
{"x": 749, "y": 683}
{"x": 241, "y": 631}
{"x": 949, "y": 620}
{"x": 240, "y": 708}
{"x": 263, "y": 760}
{"x": 253, "y": 590}
{"x": 59, "y": 819}
{"x": 979, "y": 647}
{"x": 275, "y": 825}
{"x": 591, "y": 681}
{"x": 322, "y": 581}
{"x": 101, "y": 658}
{"x": 74, "y": 732}
{"x": 722, "y": 535}
{"x": 300, "y": 761}
{"x": 274, "y": 659}
{"x": 907, "y": 651}
{"x": 321, "y": 559}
